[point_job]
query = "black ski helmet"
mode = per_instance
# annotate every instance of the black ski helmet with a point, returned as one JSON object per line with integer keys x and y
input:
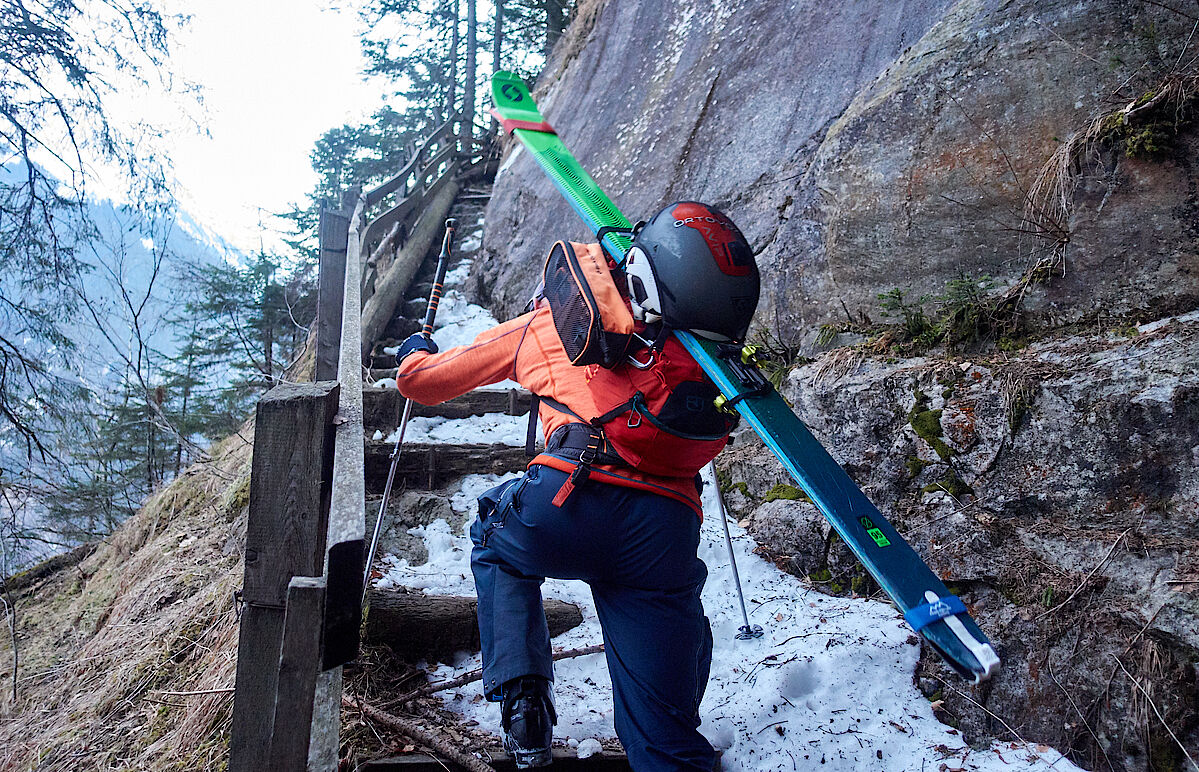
{"x": 690, "y": 267}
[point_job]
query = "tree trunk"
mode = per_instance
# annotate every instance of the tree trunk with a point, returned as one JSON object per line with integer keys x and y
{"x": 497, "y": 47}
{"x": 555, "y": 23}
{"x": 468, "y": 96}
{"x": 451, "y": 99}
{"x": 418, "y": 626}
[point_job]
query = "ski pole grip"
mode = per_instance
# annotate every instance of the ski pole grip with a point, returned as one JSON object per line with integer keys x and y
{"x": 443, "y": 260}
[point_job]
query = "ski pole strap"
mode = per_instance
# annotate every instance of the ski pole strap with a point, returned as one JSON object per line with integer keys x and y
{"x": 512, "y": 124}
{"x": 920, "y": 617}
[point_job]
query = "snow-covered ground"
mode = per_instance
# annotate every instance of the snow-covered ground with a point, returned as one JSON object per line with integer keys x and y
{"x": 830, "y": 682}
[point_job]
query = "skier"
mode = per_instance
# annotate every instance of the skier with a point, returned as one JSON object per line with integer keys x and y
{"x": 614, "y": 499}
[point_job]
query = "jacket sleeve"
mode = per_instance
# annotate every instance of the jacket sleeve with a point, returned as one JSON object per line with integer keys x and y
{"x": 431, "y": 379}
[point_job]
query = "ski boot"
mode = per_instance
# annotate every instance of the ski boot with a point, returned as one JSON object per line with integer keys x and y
{"x": 528, "y": 718}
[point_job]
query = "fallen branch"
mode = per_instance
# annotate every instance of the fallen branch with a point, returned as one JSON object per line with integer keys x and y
{"x": 1156, "y": 712}
{"x": 477, "y": 675}
{"x": 226, "y": 690}
{"x": 420, "y": 735}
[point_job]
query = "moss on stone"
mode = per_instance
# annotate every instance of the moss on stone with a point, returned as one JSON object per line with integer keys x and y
{"x": 236, "y": 499}
{"x": 953, "y": 485}
{"x": 786, "y": 492}
{"x": 927, "y": 425}
{"x": 861, "y": 584}
{"x": 915, "y": 466}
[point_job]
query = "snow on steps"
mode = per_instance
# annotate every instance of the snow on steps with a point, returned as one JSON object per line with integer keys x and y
{"x": 564, "y": 761}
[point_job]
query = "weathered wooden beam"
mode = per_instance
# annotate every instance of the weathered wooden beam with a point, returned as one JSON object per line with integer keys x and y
{"x": 418, "y": 626}
{"x": 299, "y": 662}
{"x": 290, "y": 477}
{"x": 333, "y": 234}
{"x": 346, "y": 555}
{"x": 390, "y": 287}
{"x": 419, "y": 462}
{"x": 375, "y": 195}
{"x": 383, "y": 407}
{"x": 290, "y": 480}
{"x": 564, "y": 761}
{"x": 256, "y": 681}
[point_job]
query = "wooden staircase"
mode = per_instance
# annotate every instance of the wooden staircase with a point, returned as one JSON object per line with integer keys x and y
{"x": 437, "y": 467}
{"x": 316, "y": 487}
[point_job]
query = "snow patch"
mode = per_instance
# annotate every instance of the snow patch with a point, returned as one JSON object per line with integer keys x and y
{"x": 831, "y": 679}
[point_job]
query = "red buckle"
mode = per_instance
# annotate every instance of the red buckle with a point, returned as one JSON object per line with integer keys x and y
{"x": 512, "y": 124}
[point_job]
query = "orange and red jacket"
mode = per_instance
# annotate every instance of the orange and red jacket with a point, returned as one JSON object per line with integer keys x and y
{"x": 528, "y": 350}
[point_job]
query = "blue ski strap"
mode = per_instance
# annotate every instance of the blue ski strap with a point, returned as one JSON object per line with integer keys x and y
{"x": 947, "y": 609}
{"x": 920, "y": 617}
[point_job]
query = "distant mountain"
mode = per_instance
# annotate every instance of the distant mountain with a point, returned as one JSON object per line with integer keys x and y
{"x": 133, "y": 286}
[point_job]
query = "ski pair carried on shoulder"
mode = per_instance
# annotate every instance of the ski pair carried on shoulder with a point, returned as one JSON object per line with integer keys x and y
{"x": 928, "y": 606}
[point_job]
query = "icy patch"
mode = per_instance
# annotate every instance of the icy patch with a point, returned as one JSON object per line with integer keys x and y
{"x": 472, "y": 242}
{"x": 589, "y": 747}
{"x": 511, "y": 159}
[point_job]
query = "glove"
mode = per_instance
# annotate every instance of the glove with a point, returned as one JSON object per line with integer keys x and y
{"x": 415, "y": 342}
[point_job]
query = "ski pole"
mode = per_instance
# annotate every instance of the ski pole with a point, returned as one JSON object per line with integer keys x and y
{"x": 443, "y": 260}
{"x": 746, "y": 631}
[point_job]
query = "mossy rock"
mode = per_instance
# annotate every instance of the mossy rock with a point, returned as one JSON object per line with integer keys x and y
{"x": 927, "y": 425}
{"x": 915, "y": 466}
{"x": 786, "y": 492}
{"x": 953, "y": 485}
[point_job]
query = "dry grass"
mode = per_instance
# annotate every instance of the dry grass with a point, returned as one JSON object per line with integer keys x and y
{"x": 108, "y": 647}
{"x": 1050, "y": 200}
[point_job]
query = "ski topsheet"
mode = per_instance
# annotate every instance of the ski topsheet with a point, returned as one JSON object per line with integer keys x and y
{"x": 927, "y": 604}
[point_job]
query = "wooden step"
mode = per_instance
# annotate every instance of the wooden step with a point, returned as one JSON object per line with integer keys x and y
{"x": 382, "y": 407}
{"x": 430, "y": 466}
{"x": 435, "y": 627}
{"x": 564, "y": 761}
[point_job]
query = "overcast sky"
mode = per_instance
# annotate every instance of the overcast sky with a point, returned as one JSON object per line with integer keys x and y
{"x": 275, "y": 75}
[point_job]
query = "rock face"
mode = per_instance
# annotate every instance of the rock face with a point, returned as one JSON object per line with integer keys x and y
{"x": 1056, "y": 490}
{"x": 1047, "y": 144}
{"x": 870, "y": 145}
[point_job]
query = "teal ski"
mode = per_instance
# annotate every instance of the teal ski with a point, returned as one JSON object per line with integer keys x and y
{"x": 929, "y": 607}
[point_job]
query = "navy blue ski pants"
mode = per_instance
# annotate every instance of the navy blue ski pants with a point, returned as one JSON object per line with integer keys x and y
{"x": 637, "y": 551}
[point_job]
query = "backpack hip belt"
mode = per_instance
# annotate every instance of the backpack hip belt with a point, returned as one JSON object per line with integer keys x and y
{"x": 583, "y": 445}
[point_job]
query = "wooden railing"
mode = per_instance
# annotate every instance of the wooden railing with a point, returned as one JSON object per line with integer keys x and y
{"x": 305, "y": 541}
{"x": 396, "y": 204}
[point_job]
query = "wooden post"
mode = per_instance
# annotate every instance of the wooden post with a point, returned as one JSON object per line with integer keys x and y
{"x": 333, "y": 230}
{"x": 289, "y": 498}
{"x": 346, "y": 556}
{"x": 299, "y": 661}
